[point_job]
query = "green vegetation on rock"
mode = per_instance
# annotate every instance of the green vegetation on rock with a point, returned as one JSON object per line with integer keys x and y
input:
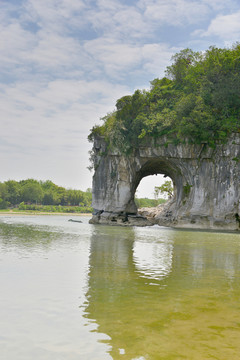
{"x": 197, "y": 100}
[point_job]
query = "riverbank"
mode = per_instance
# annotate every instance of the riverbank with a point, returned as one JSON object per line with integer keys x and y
{"x": 26, "y": 212}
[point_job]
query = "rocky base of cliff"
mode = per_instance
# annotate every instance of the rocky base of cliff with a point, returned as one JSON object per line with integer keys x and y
{"x": 113, "y": 219}
{"x": 162, "y": 215}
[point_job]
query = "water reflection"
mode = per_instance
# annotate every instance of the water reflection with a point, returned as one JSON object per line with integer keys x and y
{"x": 120, "y": 298}
{"x": 57, "y": 277}
{"x": 43, "y": 279}
{"x": 190, "y": 311}
{"x": 153, "y": 259}
{"x": 28, "y": 234}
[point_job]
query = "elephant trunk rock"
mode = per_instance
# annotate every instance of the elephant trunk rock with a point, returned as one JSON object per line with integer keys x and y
{"x": 206, "y": 184}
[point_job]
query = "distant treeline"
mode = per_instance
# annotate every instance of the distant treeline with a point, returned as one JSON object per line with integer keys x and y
{"x": 145, "y": 202}
{"x": 30, "y": 192}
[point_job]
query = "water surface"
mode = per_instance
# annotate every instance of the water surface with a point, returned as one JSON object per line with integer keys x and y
{"x": 79, "y": 291}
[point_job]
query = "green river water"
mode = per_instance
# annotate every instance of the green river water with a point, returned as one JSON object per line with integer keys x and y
{"x": 76, "y": 291}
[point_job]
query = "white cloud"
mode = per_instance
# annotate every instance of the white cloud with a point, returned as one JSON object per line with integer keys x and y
{"x": 174, "y": 12}
{"x": 114, "y": 56}
{"x": 14, "y": 41}
{"x": 119, "y": 58}
{"x": 54, "y": 51}
{"x": 226, "y": 27}
{"x": 44, "y": 128}
{"x": 48, "y": 51}
{"x": 112, "y": 19}
{"x": 34, "y": 113}
{"x": 156, "y": 57}
{"x": 221, "y": 5}
{"x": 54, "y": 15}
{"x": 44, "y": 51}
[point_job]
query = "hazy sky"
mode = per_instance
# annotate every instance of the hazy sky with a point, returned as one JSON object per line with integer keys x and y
{"x": 64, "y": 63}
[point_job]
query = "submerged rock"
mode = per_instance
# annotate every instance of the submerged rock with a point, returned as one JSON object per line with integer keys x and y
{"x": 111, "y": 218}
{"x": 78, "y": 221}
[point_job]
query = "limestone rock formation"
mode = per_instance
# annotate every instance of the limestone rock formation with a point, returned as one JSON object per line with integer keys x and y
{"x": 206, "y": 184}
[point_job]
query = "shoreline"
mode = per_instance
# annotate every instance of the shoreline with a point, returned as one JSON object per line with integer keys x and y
{"x": 11, "y": 213}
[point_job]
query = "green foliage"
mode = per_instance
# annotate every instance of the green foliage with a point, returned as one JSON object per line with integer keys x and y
{"x": 198, "y": 100}
{"x": 145, "y": 202}
{"x": 165, "y": 188}
{"x": 50, "y": 208}
{"x": 30, "y": 191}
{"x": 3, "y": 191}
{"x": 182, "y": 63}
{"x": 4, "y": 204}
{"x": 13, "y": 191}
{"x": 187, "y": 189}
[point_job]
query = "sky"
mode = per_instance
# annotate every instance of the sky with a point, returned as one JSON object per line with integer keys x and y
{"x": 64, "y": 64}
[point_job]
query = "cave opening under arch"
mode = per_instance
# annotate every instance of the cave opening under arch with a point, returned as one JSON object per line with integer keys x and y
{"x": 156, "y": 166}
{"x": 148, "y": 184}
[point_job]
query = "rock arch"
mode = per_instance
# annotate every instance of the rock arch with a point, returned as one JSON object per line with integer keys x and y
{"x": 166, "y": 167}
{"x": 206, "y": 182}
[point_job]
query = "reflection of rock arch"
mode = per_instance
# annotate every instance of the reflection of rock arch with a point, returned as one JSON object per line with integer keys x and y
{"x": 206, "y": 183}
{"x": 153, "y": 261}
{"x": 117, "y": 292}
{"x": 134, "y": 314}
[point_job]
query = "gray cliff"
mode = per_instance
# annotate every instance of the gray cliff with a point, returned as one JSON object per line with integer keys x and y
{"x": 206, "y": 184}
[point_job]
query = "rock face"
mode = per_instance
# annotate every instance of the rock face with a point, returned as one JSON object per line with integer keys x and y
{"x": 206, "y": 184}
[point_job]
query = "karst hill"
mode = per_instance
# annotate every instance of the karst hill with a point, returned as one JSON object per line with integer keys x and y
{"x": 187, "y": 127}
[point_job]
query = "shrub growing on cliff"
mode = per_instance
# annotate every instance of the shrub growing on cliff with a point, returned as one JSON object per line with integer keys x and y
{"x": 199, "y": 99}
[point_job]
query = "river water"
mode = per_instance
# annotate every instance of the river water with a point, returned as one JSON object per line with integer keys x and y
{"x": 76, "y": 291}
